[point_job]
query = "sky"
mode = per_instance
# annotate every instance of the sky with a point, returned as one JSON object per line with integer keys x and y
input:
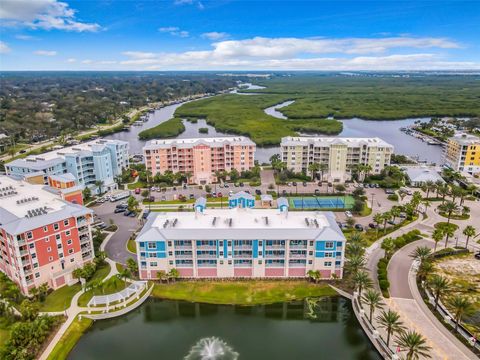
{"x": 239, "y": 35}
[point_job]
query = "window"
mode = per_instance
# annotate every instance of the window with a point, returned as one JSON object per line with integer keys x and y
{"x": 328, "y": 254}
{"x": 50, "y": 258}
{"x": 29, "y": 235}
{"x": 310, "y": 253}
{"x": 170, "y": 253}
{"x": 31, "y": 246}
{"x": 311, "y": 243}
{"x": 35, "y": 265}
{"x": 68, "y": 233}
{"x": 69, "y": 242}
{"x": 221, "y": 262}
{"x": 65, "y": 222}
{"x": 152, "y": 245}
{"x": 70, "y": 251}
{"x": 259, "y": 262}
{"x": 47, "y": 239}
{"x": 152, "y": 255}
{"x": 37, "y": 275}
{"x": 59, "y": 246}
{"x": 170, "y": 262}
{"x": 60, "y": 255}
{"x": 260, "y": 253}
{"x": 328, "y": 263}
{"x": 229, "y": 243}
{"x": 221, "y": 253}
{"x": 153, "y": 264}
{"x": 310, "y": 262}
{"x": 72, "y": 259}
{"x": 49, "y": 249}
{"x": 45, "y": 229}
{"x": 55, "y": 226}
{"x": 34, "y": 256}
{"x": 57, "y": 237}
{"x": 169, "y": 243}
{"x": 229, "y": 262}
{"x": 329, "y": 245}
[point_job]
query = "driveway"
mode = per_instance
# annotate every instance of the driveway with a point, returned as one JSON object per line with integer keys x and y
{"x": 116, "y": 247}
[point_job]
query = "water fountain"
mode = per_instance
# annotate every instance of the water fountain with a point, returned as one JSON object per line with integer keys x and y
{"x": 211, "y": 348}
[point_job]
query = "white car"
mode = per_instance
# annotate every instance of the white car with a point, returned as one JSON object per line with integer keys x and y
{"x": 348, "y": 214}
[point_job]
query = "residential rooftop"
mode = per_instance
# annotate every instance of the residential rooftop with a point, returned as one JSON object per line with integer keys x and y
{"x": 466, "y": 139}
{"x": 241, "y": 224}
{"x": 24, "y": 206}
{"x": 327, "y": 141}
{"x": 187, "y": 143}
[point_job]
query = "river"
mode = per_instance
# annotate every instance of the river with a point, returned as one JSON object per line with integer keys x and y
{"x": 170, "y": 329}
{"x": 388, "y": 130}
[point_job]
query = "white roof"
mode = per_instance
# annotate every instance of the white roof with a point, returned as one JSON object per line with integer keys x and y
{"x": 466, "y": 139}
{"x": 327, "y": 141}
{"x": 187, "y": 143}
{"x": 253, "y": 224}
{"x": 24, "y": 206}
{"x": 422, "y": 174}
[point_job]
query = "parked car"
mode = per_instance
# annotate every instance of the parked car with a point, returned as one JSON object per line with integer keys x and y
{"x": 219, "y": 195}
{"x": 184, "y": 186}
{"x": 372, "y": 226}
{"x": 163, "y": 198}
{"x": 391, "y": 222}
{"x": 137, "y": 190}
{"x": 402, "y": 215}
{"x": 258, "y": 192}
{"x": 145, "y": 214}
{"x": 348, "y": 214}
{"x": 359, "y": 227}
{"x": 241, "y": 184}
{"x": 304, "y": 183}
{"x": 151, "y": 198}
{"x": 132, "y": 214}
{"x": 284, "y": 192}
{"x": 294, "y": 183}
{"x": 226, "y": 186}
{"x": 235, "y": 184}
{"x": 320, "y": 183}
{"x": 377, "y": 186}
{"x": 317, "y": 191}
{"x": 389, "y": 191}
{"x": 477, "y": 256}
{"x": 119, "y": 210}
{"x": 289, "y": 184}
{"x": 127, "y": 213}
{"x": 191, "y": 196}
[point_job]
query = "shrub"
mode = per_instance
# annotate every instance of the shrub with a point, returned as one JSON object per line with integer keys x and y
{"x": 392, "y": 197}
{"x": 384, "y": 285}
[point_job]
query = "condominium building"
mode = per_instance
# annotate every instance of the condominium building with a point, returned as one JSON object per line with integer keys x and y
{"x": 336, "y": 153}
{"x": 42, "y": 237}
{"x": 241, "y": 242}
{"x": 462, "y": 153}
{"x": 90, "y": 162}
{"x": 200, "y": 157}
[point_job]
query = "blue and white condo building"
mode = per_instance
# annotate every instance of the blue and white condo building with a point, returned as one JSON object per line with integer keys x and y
{"x": 241, "y": 242}
{"x": 98, "y": 160}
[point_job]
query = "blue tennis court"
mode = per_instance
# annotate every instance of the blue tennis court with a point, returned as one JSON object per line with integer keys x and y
{"x": 329, "y": 202}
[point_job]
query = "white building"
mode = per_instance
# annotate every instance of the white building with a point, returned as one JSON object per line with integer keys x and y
{"x": 419, "y": 175}
{"x": 336, "y": 153}
{"x": 241, "y": 242}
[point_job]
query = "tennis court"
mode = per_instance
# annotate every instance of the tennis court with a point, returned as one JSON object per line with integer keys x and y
{"x": 322, "y": 202}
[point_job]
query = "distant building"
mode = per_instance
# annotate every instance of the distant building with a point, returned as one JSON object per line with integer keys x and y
{"x": 241, "y": 242}
{"x": 199, "y": 157}
{"x": 4, "y": 142}
{"x": 336, "y": 153}
{"x": 42, "y": 237}
{"x": 419, "y": 175}
{"x": 98, "y": 160}
{"x": 462, "y": 153}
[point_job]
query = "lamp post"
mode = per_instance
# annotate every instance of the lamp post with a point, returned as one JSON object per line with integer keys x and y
{"x": 371, "y": 203}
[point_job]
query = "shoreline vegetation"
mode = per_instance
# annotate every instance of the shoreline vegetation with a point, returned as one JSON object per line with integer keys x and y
{"x": 243, "y": 293}
{"x": 167, "y": 129}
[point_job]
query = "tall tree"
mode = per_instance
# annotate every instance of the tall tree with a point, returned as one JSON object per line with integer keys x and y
{"x": 414, "y": 344}
{"x": 390, "y": 321}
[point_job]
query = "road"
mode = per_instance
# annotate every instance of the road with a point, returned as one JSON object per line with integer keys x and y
{"x": 116, "y": 247}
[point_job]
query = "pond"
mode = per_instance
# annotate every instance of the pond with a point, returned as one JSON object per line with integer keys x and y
{"x": 323, "y": 328}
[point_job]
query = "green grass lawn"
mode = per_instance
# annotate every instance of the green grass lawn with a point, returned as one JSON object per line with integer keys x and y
{"x": 111, "y": 286}
{"x": 68, "y": 341}
{"x": 131, "y": 246}
{"x": 241, "y": 292}
{"x": 167, "y": 129}
{"x": 60, "y": 299}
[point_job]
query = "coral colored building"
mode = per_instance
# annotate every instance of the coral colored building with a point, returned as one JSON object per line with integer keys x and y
{"x": 199, "y": 157}
{"x": 43, "y": 238}
{"x": 241, "y": 242}
{"x": 66, "y": 187}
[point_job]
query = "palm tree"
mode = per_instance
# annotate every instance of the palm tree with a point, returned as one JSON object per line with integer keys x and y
{"x": 355, "y": 249}
{"x": 421, "y": 253}
{"x": 439, "y": 285}
{"x": 374, "y": 300}
{"x": 314, "y": 275}
{"x": 429, "y": 186}
{"x": 322, "y": 167}
{"x": 443, "y": 191}
{"x": 395, "y": 212}
{"x": 460, "y": 305}
{"x": 173, "y": 274}
{"x": 355, "y": 263}
{"x": 449, "y": 207}
{"x": 313, "y": 168}
{"x": 390, "y": 321}
{"x": 449, "y": 231}
{"x": 162, "y": 275}
{"x": 361, "y": 281}
{"x": 426, "y": 204}
{"x": 388, "y": 245}
{"x": 437, "y": 236}
{"x": 124, "y": 274}
{"x": 386, "y": 216}
{"x": 414, "y": 344}
{"x": 378, "y": 219}
{"x": 416, "y": 200}
{"x": 469, "y": 232}
{"x": 99, "y": 185}
{"x": 424, "y": 270}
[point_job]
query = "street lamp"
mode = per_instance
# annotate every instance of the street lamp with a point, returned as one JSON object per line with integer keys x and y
{"x": 371, "y": 204}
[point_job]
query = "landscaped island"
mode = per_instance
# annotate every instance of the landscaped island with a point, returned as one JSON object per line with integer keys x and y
{"x": 167, "y": 129}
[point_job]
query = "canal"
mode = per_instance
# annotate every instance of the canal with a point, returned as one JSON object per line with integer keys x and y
{"x": 323, "y": 328}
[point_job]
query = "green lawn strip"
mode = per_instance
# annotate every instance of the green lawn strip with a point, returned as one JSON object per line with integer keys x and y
{"x": 110, "y": 286}
{"x": 131, "y": 246}
{"x": 241, "y": 293}
{"x": 167, "y": 129}
{"x": 70, "y": 338}
{"x": 60, "y": 299}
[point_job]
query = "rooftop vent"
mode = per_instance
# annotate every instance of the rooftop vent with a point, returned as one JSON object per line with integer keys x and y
{"x": 174, "y": 222}
{"x": 165, "y": 224}
{"x": 230, "y": 221}
{"x": 214, "y": 220}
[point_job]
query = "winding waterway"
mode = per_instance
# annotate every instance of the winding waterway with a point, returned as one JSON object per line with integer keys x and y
{"x": 388, "y": 130}
{"x": 169, "y": 329}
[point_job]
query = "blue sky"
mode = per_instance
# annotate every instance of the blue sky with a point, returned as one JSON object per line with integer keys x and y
{"x": 239, "y": 35}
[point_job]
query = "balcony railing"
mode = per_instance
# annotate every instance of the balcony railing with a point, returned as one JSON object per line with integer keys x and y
{"x": 275, "y": 247}
{"x": 183, "y": 256}
{"x": 207, "y": 265}
{"x": 206, "y": 247}
{"x": 206, "y": 256}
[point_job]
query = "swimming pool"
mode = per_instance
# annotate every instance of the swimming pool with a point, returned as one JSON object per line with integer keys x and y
{"x": 321, "y": 202}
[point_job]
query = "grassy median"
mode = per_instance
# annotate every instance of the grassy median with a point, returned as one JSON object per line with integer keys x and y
{"x": 68, "y": 341}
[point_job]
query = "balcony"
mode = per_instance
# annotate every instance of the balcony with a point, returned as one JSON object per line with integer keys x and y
{"x": 242, "y": 256}
{"x": 243, "y": 265}
{"x": 242, "y": 247}
{"x": 207, "y": 265}
{"x": 206, "y": 247}
{"x": 298, "y": 256}
{"x": 271, "y": 247}
{"x": 206, "y": 256}
{"x": 183, "y": 256}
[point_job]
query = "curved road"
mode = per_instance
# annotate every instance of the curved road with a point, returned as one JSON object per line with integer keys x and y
{"x": 406, "y": 300}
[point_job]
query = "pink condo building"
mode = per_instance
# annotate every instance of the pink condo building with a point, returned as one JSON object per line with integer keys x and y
{"x": 201, "y": 157}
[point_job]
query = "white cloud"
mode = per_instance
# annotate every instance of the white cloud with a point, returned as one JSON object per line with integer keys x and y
{"x": 214, "y": 35}
{"x": 189, "y": 2}
{"x": 42, "y": 14}
{"x": 139, "y": 54}
{"x": 106, "y": 62}
{"x": 87, "y": 61}
{"x": 71, "y": 60}
{"x": 175, "y": 31}
{"x": 24, "y": 37}
{"x": 45, "y": 53}
{"x": 4, "y": 48}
